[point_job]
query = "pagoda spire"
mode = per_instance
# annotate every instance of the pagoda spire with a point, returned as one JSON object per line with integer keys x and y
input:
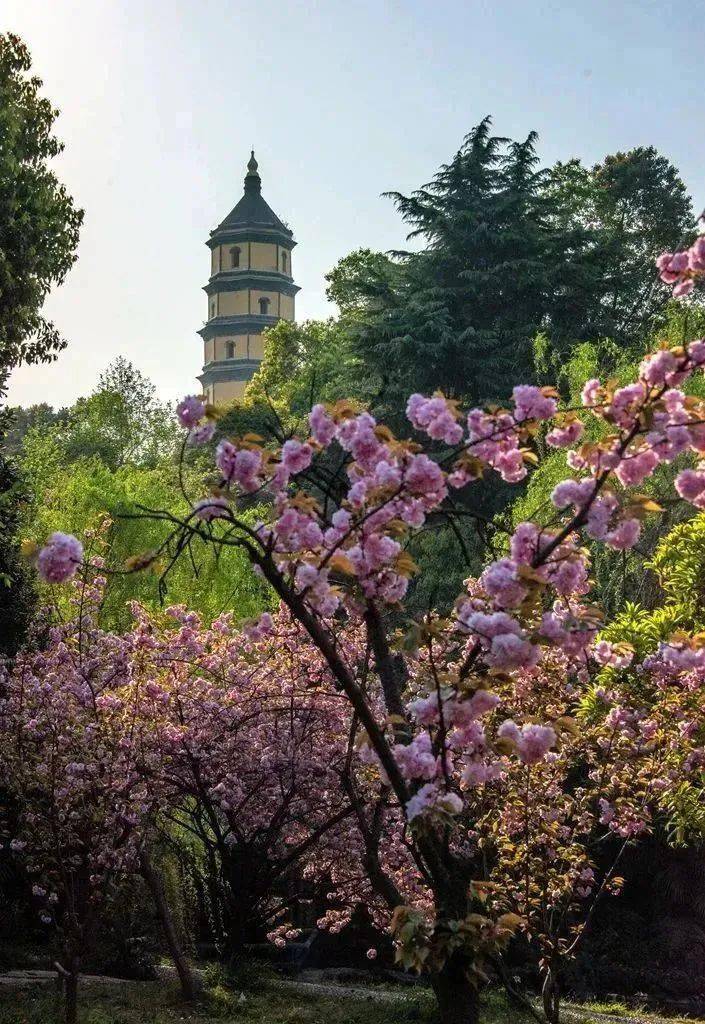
{"x": 253, "y": 182}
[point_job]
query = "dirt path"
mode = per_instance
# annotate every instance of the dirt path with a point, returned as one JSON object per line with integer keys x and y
{"x": 368, "y": 995}
{"x": 25, "y": 979}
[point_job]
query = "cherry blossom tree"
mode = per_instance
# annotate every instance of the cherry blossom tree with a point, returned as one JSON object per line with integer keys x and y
{"x": 555, "y": 831}
{"x": 238, "y": 737}
{"x": 252, "y": 743}
{"x": 437, "y": 720}
{"x": 70, "y": 762}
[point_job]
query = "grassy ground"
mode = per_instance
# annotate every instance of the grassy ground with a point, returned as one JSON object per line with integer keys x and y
{"x": 614, "y": 1009}
{"x": 265, "y": 1001}
{"x": 155, "y": 1003}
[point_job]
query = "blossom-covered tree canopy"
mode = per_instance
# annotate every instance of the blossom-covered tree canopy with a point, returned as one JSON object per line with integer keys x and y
{"x": 452, "y": 717}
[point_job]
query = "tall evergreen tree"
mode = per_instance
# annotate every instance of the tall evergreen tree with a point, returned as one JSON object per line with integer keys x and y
{"x": 461, "y": 314}
{"x": 509, "y": 250}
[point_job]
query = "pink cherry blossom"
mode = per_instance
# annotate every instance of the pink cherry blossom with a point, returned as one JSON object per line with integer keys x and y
{"x": 242, "y": 466}
{"x": 607, "y": 812}
{"x": 509, "y": 730}
{"x": 190, "y": 411}
{"x": 432, "y": 799}
{"x": 605, "y": 653}
{"x": 322, "y": 426}
{"x": 535, "y": 742}
{"x": 591, "y": 392}
{"x": 296, "y": 457}
{"x": 202, "y": 433}
{"x": 562, "y": 437}
{"x": 485, "y": 625}
{"x": 59, "y": 559}
{"x": 690, "y": 484}
{"x": 532, "y": 404}
{"x": 501, "y": 581}
{"x": 683, "y": 288}
{"x": 424, "y": 477}
{"x": 696, "y": 254}
{"x": 636, "y": 467}
{"x": 524, "y": 544}
{"x": 482, "y": 702}
{"x": 625, "y": 535}
{"x": 425, "y": 710}
{"x": 571, "y": 492}
{"x": 508, "y": 651}
{"x": 663, "y": 264}
{"x": 435, "y": 417}
{"x": 680, "y": 268}
{"x": 532, "y": 742}
{"x": 655, "y": 368}
{"x": 416, "y": 759}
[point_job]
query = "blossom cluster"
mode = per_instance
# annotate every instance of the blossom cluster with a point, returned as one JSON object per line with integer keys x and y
{"x": 193, "y": 414}
{"x": 683, "y": 267}
{"x": 60, "y": 557}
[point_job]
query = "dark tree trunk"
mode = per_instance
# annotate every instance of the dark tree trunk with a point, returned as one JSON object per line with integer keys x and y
{"x": 237, "y": 933}
{"x": 71, "y": 992}
{"x": 551, "y": 997}
{"x": 242, "y": 887}
{"x": 183, "y": 968}
{"x": 458, "y": 1000}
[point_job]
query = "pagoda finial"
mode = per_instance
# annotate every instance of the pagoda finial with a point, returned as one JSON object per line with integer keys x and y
{"x": 253, "y": 182}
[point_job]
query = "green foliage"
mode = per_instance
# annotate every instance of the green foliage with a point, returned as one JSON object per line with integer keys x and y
{"x": 303, "y": 364}
{"x": 679, "y": 562}
{"x": 38, "y": 236}
{"x": 20, "y": 420}
{"x": 443, "y": 568}
{"x": 685, "y": 811}
{"x": 356, "y": 278}
{"x": 448, "y": 554}
{"x": 17, "y": 593}
{"x": 113, "y": 453}
{"x": 121, "y": 422}
{"x": 510, "y": 253}
{"x": 624, "y": 212}
{"x": 679, "y": 565}
{"x": 77, "y": 496}
{"x": 460, "y": 314}
{"x": 39, "y": 223}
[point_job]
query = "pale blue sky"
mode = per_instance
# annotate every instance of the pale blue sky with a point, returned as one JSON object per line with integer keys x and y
{"x": 161, "y": 100}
